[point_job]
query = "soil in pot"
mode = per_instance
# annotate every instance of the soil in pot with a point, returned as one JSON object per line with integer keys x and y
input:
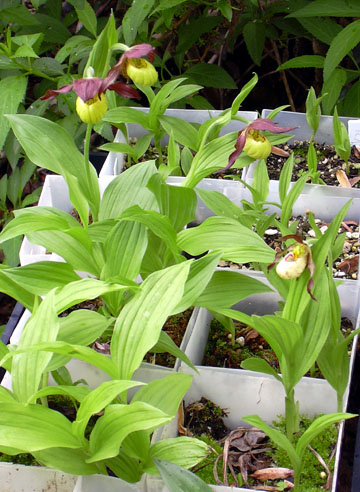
{"x": 246, "y": 454}
{"x": 221, "y": 352}
{"x": 328, "y": 162}
{"x": 345, "y": 266}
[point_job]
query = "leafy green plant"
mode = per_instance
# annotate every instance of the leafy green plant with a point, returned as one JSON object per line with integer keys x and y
{"x": 55, "y": 441}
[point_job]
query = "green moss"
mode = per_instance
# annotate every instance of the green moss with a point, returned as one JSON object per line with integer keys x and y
{"x": 311, "y": 479}
{"x": 19, "y": 459}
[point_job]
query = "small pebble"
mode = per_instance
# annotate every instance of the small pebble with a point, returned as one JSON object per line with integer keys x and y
{"x": 354, "y": 276}
{"x": 311, "y": 233}
{"x": 240, "y": 341}
{"x": 323, "y": 229}
{"x": 271, "y": 232}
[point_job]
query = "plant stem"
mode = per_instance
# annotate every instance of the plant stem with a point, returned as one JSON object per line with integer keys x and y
{"x": 291, "y": 415}
{"x": 44, "y": 383}
{"x": 86, "y": 157}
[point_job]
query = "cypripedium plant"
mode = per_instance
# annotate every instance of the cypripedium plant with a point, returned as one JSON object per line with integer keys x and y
{"x": 254, "y": 143}
{"x": 296, "y": 258}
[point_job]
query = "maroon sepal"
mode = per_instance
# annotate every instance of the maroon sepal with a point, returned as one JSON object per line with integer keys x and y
{"x": 239, "y": 145}
{"x": 140, "y": 50}
{"x": 124, "y": 90}
{"x": 266, "y": 124}
{"x": 51, "y": 93}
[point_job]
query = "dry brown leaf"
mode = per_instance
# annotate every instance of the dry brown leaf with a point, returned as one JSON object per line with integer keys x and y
{"x": 350, "y": 265}
{"x": 278, "y": 151}
{"x": 273, "y": 474}
{"x": 353, "y": 181}
{"x": 343, "y": 179}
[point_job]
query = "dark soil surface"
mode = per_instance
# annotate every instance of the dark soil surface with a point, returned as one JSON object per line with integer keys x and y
{"x": 175, "y": 327}
{"x": 220, "y": 352}
{"x": 328, "y": 162}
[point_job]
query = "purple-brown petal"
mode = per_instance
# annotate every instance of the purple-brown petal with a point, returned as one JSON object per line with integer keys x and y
{"x": 239, "y": 145}
{"x": 51, "y": 93}
{"x": 124, "y": 90}
{"x": 88, "y": 88}
{"x": 140, "y": 50}
{"x": 267, "y": 124}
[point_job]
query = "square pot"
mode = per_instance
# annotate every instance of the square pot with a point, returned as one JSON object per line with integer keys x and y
{"x": 114, "y": 163}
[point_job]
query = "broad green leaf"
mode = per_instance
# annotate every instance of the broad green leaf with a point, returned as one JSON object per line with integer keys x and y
{"x": 201, "y": 272}
{"x": 237, "y": 242}
{"x": 127, "y": 189}
{"x": 117, "y": 423}
{"x": 326, "y": 8}
{"x": 166, "y": 393}
{"x": 76, "y": 351}
{"x": 176, "y": 202}
{"x": 210, "y": 75}
{"x": 73, "y": 251}
{"x": 16, "y": 291}
{"x": 97, "y": 400}
{"x": 260, "y": 365}
{"x": 124, "y": 249}
{"x": 134, "y": 16}
{"x": 71, "y": 461}
{"x": 34, "y": 427}
{"x": 304, "y": 61}
{"x": 183, "y": 451}
{"x": 126, "y": 114}
{"x": 317, "y": 426}
{"x": 291, "y": 197}
{"x": 341, "y": 45}
{"x": 183, "y": 132}
{"x": 27, "y": 368}
{"x": 5, "y": 395}
{"x": 49, "y": 145}
{"x": 341, "y": 138}
{"x": 87, "y": 17}
{"x": 226, "y": 288}
{"x": 332, "y": 88}
{"x": 323, "y": 29}
{"x": 351, "y": 106}
{"x": 99, "y": 57}
{"x": 254, "y": 37}
{"x": 125, "y": 467}
{"x": 179, "y": 480}
{"x": 219, "y": 203}
{"x": 87, "y": 288}
{"x": 13, "y": 91}
{"x": 77, "y": 392}
{"x": 137, "y": 329}
{"x": 40, "y": 277}
{"x": 212, "y": 157}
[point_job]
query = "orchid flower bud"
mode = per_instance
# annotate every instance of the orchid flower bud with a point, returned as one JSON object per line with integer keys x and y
{"x": 257, "y": 146}
{"x": 141, "y": 71}
{"x": 93, "y": 110}
{"x": 294, "y": 263}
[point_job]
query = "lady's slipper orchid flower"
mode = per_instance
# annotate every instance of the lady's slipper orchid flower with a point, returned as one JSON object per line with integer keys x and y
{"x": 91, "y": 103}
{"x": 297, "y": 258}
{"x": 254, "y": 143}
{"x": 133, "y": 66}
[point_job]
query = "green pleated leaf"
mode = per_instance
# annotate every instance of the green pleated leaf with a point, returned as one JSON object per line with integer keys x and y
{"x": 166, "y": 344}
{"x": 71, "y": 461}
{"x": 304, "y": 61}
{"x": 127, "y": 115}
{"x": 166, "y": 393}
{"x": 128, "y": 189}
{"x": 183, "y": 451}
{"x": 236, "y": 242}
{"x": 100, "y": 54}
{"x": 124, "y": 249}
{"x": 27, "y": 369}
{"x": 138, "y": 327}
{"x": 201, "y": 271}
{"x": 219, "y": 203}
{"x": 260, "y": 365}
{"x": 97, "y": 400}
{"x": 117, "y": 423}
{"x": 179, "y": 480}
{"x": 326, "y": 8}
{"x": 40, "y": 277}
{"x": 77, "y": 392}
{"x": 34, "y": 427}
{"x": 227, "y": 288}
{"x": 183, "y": 131}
